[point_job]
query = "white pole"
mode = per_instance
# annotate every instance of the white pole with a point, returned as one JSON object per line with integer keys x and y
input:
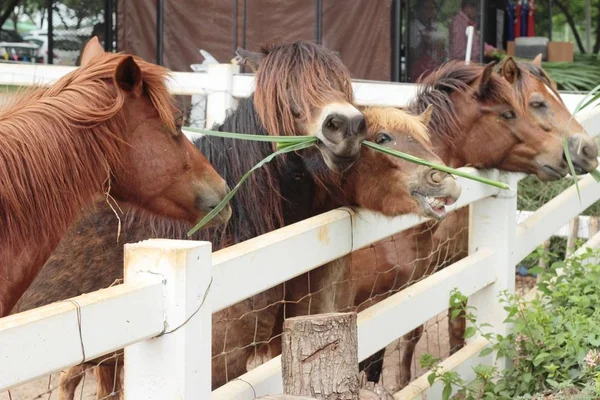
{"x": 493, "y": 225}
{"x": 176, "y": 364}
{"x": 469, "y": 32}
{"x": 220, "y": 97}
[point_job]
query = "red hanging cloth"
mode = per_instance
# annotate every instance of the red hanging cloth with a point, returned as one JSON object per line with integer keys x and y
{"x": 531, "y": 19}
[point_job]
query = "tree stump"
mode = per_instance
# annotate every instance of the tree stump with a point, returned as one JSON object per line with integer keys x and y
{"x": 319, "y": 356}
{"x": 285, "y": 397}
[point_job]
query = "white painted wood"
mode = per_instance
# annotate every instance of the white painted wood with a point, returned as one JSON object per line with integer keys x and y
{"x": 175, "y": 365}
{"x": 261, "y": 381}
{"x": 220, "y": 92}
{"x": 585, "y": 225}
{"x": 373, "y": 93}
{"x": 554, "y": 214}
{"x": 317, "y": 240}
{"x": 492, "y": 225}
{"x": 41, "y": 341}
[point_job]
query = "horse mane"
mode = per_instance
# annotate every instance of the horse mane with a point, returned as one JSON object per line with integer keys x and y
{"x": 381, "y": 118}
{"x": 456, "y": 77}
{"x": 76, "y": 126}
{"x": 295, "y": 78}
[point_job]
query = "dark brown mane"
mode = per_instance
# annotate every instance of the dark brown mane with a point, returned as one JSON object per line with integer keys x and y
{"x": 74, "y": 126}
{"x": 295, "y": 78}
{"x": 456, "y": 77}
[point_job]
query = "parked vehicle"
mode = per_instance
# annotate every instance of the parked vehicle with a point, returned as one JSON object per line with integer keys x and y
{"x": 66, "y": 49}
{"x": 19, "y": 51}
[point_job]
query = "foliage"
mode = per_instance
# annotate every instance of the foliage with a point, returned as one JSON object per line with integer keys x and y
{"x": 553, "y": 347}
{"x": 575, "y": 76}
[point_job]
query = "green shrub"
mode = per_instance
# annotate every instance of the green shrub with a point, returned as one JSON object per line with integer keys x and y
{"x": 553, "y": 347}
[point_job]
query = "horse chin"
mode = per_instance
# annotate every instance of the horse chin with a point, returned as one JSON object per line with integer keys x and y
{"x": 548, "y": 173}
{"x": 338, "y": 164}
{"x": 433, "y": 207}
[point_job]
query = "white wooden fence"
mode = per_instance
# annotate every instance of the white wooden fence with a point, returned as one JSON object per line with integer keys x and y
{"x": 162, "y": 313}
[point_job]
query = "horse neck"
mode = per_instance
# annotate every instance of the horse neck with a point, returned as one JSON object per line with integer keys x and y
{"x": 45, "y": 179}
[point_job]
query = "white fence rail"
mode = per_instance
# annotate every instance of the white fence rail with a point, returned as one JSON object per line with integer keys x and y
{"x": 162, "y": 313}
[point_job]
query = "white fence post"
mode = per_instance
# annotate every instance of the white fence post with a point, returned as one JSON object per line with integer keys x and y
{"x": 220, "y": 99}
{"x": 492, "y": 224}
{"x": 177, "y": 364}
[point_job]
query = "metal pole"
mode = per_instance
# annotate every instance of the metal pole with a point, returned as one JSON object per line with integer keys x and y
{"x": 319, "y": 21}
{"x": 108, "y": 25}
{"x": 550, "y": 19}
{"x": 116, "y": 25}
{"x": 588, "y": 26}
{"x": 160, "y": 9}
{"x": 235, "y": 27}
{"x": 244, "y": 24}
{"x": 396, "y": 40}
{"x": 482, "y": 29}
{"x": 50, "y": 4}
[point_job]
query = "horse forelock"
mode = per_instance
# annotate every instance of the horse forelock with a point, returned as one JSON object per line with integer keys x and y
{"x": 387, "y": 118}
{"x": 298, "y": 78}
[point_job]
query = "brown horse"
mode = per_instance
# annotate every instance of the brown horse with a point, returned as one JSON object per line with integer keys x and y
{"x": 108, "y": 127}
{"x": 537, "y": 93}
{"x": 542, "y": 104}
{"x": 238, "y": 329}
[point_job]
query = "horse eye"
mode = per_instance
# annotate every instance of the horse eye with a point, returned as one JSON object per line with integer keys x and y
{"x": 537, "y": 104}
{"x": 383, "y": 138}
{"x": 508, "y": 115}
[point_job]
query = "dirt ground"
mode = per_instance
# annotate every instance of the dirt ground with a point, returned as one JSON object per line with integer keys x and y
{"x": 434, "y": 341}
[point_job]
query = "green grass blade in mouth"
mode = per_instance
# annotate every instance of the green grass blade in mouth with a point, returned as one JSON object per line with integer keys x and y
{"x": 439, "y": 167}
{"x": 214, "y": 212}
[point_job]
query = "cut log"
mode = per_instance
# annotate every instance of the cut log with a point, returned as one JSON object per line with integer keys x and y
{"x": 319, "y": 356}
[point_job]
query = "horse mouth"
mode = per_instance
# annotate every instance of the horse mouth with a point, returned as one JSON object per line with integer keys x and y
{"x": 433, "y": 207}
{"x": 552, "y": 173}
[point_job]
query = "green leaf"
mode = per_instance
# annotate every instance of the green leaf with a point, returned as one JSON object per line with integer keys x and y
{"x": 431, "y": 378}
{"x": 536, "y": 270}
{"x": 470, "y": 332}
{"x": 540, "y": 359}
{"x": 486, "y": 351}
{"x": 299, "y": 146}
{"x": 252, "y": 137}
{"x": 447, "y": 391}
{"x": 587, "y": 100}
{"x": 443, "y": 168}
{"x": 571, "y": 167}
{"x": 595, "y": 174}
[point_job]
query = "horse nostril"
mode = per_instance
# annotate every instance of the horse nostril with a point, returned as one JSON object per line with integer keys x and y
{"x": 436, "y": 176}
{"x": 333, "y": 122}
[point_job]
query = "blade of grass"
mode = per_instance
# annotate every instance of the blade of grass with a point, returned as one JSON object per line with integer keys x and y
{"x": 449, "y": 170}
{"x": 571, "y": 167}
{"x": 583, "y": 103}
{"x": 299, "y": 146}
{"x": 256, "y": 138}
{"x": 596, "y": 174}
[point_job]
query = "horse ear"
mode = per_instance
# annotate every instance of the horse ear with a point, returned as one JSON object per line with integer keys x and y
{"x": 425, "y": 117}
{"x": 537, "y": 61}
{"x": 129, "y": 75}
{"x": 485, "y": 79}
{"x": 510, "y": 70}
{"x": 91, "y": 50}
{"x": 253, "y": 59}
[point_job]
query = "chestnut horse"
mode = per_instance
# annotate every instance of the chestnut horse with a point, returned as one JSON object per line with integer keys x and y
{"x": 108, "y": 127}
{"x": 538, "y": 95}
{"x": 542, "y": 104}
{"x": 90, "y": 247}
